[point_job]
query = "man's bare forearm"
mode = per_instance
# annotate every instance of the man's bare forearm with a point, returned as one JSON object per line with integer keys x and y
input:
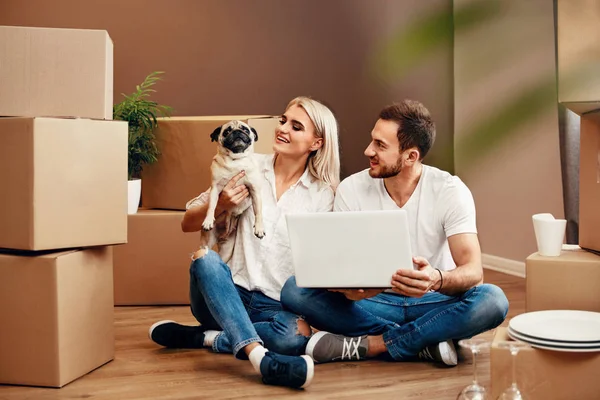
{"x": 461, "y": 279}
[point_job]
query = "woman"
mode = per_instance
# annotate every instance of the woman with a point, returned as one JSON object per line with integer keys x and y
{"x": 238, "y": 304}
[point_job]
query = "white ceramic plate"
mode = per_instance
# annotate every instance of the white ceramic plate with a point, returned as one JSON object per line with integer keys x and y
{"x": 555, "y": 347}
{"x": 568, "y": 345}
{"x": 558, "y": 325}
{"x": 557, "y": 342}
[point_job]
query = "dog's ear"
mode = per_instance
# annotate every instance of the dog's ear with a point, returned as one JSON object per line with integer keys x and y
{"x": 214, "y": 137}
{"x": 255, "y": 134}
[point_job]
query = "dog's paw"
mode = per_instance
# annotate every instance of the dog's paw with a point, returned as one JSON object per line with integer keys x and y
{"x": 208, "y": 224}
{"x": 259, "y": 231}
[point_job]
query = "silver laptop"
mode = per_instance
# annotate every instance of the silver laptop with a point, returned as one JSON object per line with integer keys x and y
{"x": 353, "y": 249}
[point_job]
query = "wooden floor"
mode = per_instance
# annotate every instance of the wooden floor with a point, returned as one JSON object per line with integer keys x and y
{"x": 142, "y": 370}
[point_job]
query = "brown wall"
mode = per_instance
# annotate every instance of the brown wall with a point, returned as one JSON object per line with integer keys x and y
{"x": 505, "y": 82}
{"x": 241, "y": 57}
{"x": 246, "y": 57}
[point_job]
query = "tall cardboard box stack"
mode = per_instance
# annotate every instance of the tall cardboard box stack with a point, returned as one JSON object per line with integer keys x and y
{"x": 570, "y": 281}
{"x": 579, "y": 90}
{"x": 153, "y": 268}
{"x": 63, "y": 172}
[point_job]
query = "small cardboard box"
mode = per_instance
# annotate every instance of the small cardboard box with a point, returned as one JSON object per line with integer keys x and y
{"x": 153, "y": 267}
{"x": 570, "y": 281}
{"x": 56, "y": 72}
{"x": 589, "y": 182}
{"x": 545, "y": 374}
{"x": 57, "y": 315}
{"x": 183, "y": 168}
{"x": 64, "y": 183}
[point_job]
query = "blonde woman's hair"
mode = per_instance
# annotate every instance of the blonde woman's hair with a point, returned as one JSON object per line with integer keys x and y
{"x": 324, "y": 163}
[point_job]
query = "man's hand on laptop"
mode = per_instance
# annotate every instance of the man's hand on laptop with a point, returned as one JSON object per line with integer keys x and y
{"x": 358, "y": 294}
{"x": 415, "y": 283}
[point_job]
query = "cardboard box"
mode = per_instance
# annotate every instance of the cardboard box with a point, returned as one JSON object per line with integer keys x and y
{"x": 545, "y": 374}
{"x": 153, "y": 267}
{"x": 582, "y": 107}
{"x": 578, "y": 56}
{"x": 182, "y": 171}
{"x": 570, "y": 281}
{"x": 57, "y": 315}
{"x": 589, "y": 182}
{"x": 56, "y": 72}
{"x": 64, "y": 183}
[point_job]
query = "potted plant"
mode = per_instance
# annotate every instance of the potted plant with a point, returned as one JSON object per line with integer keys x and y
{"x": 141, "y": 114}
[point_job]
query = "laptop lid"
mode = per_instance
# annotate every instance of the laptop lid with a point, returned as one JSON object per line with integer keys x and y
{"x": 350, "y": 249}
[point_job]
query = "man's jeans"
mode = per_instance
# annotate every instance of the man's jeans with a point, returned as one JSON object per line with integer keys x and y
{"x": 244, "y": 316}
{"x": 408, "y": 324}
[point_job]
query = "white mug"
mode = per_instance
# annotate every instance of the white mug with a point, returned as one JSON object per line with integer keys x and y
{"x": 549, "y": 234}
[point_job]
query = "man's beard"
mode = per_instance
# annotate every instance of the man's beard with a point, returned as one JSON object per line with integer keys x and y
{"x": 387, "y": 171}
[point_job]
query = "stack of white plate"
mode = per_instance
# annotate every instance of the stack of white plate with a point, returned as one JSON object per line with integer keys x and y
{"x": 558, "y": 330}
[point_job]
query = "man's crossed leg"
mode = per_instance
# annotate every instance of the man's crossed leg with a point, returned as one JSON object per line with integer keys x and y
{"x": 403, "y": 328}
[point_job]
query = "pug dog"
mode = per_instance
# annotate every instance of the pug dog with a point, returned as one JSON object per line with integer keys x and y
{"x": 235, "y": 149}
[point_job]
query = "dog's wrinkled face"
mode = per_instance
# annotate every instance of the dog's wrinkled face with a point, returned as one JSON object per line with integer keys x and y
{"x": 235, "y": 136}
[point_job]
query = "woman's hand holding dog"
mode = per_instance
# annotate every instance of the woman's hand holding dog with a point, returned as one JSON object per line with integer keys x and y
{"x": 232, "y": 195}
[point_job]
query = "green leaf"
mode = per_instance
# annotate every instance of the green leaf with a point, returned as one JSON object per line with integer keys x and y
{"x": 141, "y": 115}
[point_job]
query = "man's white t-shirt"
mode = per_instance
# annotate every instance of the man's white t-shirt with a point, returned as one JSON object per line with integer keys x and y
{"x": 441, "y": 206}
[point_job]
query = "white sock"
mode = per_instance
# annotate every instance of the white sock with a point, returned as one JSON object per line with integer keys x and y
{"x": 256, "y": 356}
{"x": 209, "y": 337}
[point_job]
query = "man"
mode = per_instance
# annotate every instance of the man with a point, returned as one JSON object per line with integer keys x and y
{"x": 444, "y": 298}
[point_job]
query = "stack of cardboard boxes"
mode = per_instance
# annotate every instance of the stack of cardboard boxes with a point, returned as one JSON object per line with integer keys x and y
{"x": 570, "y": 281}
{"x": 63, "y": 203}
{"x": 153, "y": 268}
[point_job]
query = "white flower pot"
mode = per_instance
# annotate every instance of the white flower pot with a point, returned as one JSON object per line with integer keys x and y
{"x": 134, "y": 192}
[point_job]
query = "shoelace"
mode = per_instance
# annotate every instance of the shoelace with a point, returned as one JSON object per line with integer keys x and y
{"x": 277, "y": 367}
{"x": 425, "y": 353}
{"x": 350, "y": 348}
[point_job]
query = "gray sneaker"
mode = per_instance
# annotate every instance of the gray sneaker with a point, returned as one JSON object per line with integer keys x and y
{"x": 443, "y": 352}
{"x": 326, "y": 347}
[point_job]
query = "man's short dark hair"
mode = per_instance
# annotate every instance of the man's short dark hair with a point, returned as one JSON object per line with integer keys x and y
{"x": 416, "y": 127}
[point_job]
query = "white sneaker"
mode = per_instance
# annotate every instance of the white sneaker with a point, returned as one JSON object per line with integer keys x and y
{"x": 443, "y": 352}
